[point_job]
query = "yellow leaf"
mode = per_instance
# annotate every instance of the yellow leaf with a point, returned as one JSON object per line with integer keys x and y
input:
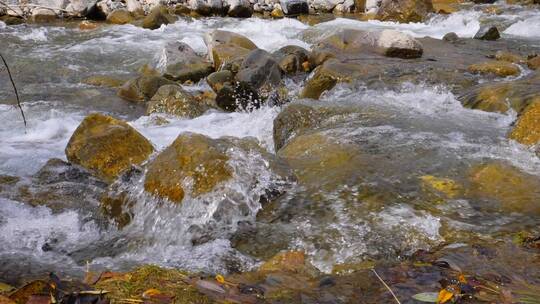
{"x": 444, "y": 296}
{"x": 462, "y": 279}
{"x": 220, "y": 279}
{"x": 151, "y": 293}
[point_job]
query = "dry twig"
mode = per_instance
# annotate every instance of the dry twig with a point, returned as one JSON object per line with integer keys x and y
{"x": 9, "y": 8}
{"x": 15, "y": 89}
{"x": 386, "y": 285}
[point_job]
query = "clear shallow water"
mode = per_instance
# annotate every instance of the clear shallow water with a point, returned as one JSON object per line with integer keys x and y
{"x": 52, "y": 61}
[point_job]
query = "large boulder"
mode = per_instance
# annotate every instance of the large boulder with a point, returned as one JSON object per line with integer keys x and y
{"x": 142, "y": 88}
{"x": 158, "y": 16}
{"x": 107, "y": 146}
{"x": 260, "y": 70}
{"x": 172, "y": 99}
{"x": 182, "y": 63}
{"x": 404, "y": 11}
{"x": 191, "y": 158}
{"x": 527, "y": 126}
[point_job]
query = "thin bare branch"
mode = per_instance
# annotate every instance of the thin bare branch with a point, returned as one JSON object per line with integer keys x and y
{"x": 386, "y": 285}
{"x": 9, "y": 8}
{"x": 15, "y": 89}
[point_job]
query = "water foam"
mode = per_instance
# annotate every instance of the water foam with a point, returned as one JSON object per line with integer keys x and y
{"x": 529, "y": 28}
{"x": 464, "y": 23}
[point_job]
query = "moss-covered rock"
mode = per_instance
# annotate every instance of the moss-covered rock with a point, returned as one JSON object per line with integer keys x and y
{"x": 107, "y": 146}
{"x": 514, "y": 190}
{"x": 104, "y": 81}
{"x": 158, "y": 15}
{"x": 441, "y": 186}
{"x": 508, "y": 57}
{"x": 496, "y": 68}
{"x": 172, "y": 99}
{"x": 191, "y": 156}
{"x": 142, "y": 88}
{"x": 288, "y": 261}
{"x": 120, "y": 16}
{"x": 527, "y": 127}
{"x": 326, "y": 76}
{"x": 502, "y": 96}
{"x": 170, "y": 283}
{"x": 404, "y": 11}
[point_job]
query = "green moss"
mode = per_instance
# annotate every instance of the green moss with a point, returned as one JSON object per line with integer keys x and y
{"x": 168, "y": 281}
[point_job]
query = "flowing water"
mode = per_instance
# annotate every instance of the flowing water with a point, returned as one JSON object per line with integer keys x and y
{"x": 399, "y": 134}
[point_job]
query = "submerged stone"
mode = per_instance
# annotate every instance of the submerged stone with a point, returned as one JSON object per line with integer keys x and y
{"x": 142, "y": 88}
{"x": 496, "y": 68}
{"x": 326, "y": 76}
{"x": 191, "y": 156}
{"x": 502, "y": 96}
{"x": 104, "y": 81}
{"x": 514, "y": 190}
{"x": 107, "y": 146}
{"x": 172, "y": 99}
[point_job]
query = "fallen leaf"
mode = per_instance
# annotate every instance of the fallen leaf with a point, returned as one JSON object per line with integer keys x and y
{"x": 5, "y": 287}
{"x": 430, "y": 297}
{"x": 203, "y": 286}
{"x": 151, "y": 293}
{"x": 6, "y": 300}
{"x": 444, "y": 296}
{"x": 22, "y": 295}
{"x": 39, "y": 299}
{"x": 220, "y": 279}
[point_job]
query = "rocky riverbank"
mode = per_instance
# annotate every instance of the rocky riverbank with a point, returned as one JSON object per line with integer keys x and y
{"x": 317, "y": 152}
